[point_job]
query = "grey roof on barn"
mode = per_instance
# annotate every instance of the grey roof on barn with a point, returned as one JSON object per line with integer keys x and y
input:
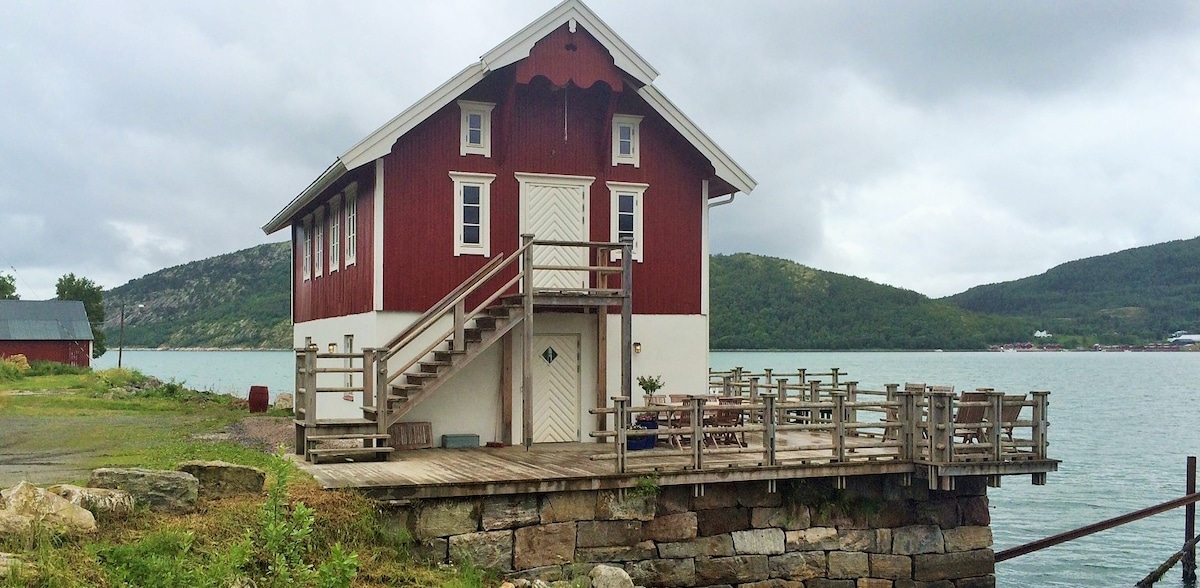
{"x": 44, "y": 320}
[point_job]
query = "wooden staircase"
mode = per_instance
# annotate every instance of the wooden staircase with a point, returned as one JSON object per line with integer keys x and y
{"x": 390, "y": 394}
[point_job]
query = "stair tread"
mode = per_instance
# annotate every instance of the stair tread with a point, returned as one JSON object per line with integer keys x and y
{"x": 349, "y": 450}
{"x": 347, "y": 436}
{"x": 338, "y": 422}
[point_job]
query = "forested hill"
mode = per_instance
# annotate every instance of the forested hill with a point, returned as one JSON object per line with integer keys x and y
{"x": 236, "y": 300}
{"x": 1133, "y": 296}
{"x": 763, "y": 302}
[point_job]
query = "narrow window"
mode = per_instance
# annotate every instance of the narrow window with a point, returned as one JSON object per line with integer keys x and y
{"x": 626, "y": 215}
{"x": 335, "y": 234}
{"x": 351, "y": 224}
{"x": 306, "y": 228}
{"x": 471, "y": 213}
{"x": 476, "y": 128}
{"x": 318, "y": 242}
{"x": 625, "y": 140}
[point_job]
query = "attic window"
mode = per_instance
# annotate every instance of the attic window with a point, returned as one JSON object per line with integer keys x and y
{"x": 625, "y": 140}
{"x": 475, "y": 128}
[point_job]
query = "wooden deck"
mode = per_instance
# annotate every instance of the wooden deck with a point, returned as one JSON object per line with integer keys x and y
{"x": 556, "y": 467}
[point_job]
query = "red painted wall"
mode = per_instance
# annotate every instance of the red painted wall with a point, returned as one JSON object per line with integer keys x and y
{"x": 349, "y": 290}
{"x": 529, "y": 136}
{"x": 69, "y": 352}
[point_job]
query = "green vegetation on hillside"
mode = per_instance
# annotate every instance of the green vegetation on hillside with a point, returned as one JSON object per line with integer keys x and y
{"x": 761, "y": 302}
{"x": 240, "y": 299}
{"x": 1134, "y": 296}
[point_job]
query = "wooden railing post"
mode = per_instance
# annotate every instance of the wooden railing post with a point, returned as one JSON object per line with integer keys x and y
{"x": 833, "y": 373}
{"x": 621, "y": 403}
{"x": 769, "y": 419}
{"x": 839, "y": 426}
{"x": 310, "y": 385}
{"x": 373, "y": 395}
{"x": 626, "y": 316}
{"x": 1041, "y": 401}
{"x": 993, "y": 415}
{"x": 906, "y": 413}
{"x": 1189, "y": 524}
{"x": 460, "y": 325}
{"x": 801, "y": 377}
{"x": 891, "y": 413}
{"x": 852, "y": 398}
{"x": 941, "y": 427}
{"x": 697, "y": 408}
{"x": 300, "y": 400}
{"x": 754, "y": 398}
{"x": 527, "y": 341}
{"x": 726, "y": 386}
{"x": 781, "y": 389}
{"x": 377, "y": 370}
{"x": 767, "y": 376}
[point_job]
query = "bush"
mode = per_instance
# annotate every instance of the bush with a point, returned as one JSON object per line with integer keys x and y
{"x": 54, "y": 368}
{"x": 13, "y": 367}
{"x": 121, "y": 377}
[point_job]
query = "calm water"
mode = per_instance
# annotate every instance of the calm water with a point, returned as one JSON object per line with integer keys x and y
{"x": 1122, "y": 423}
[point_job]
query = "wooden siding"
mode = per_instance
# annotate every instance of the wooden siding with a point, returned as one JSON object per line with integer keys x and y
{"x": 69, "y": 352}
{"x": 545, "y": 128}
{"x": 349, "y": 290}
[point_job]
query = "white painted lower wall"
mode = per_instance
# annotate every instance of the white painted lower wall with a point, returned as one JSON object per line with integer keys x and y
{"x": 672, "y": 346}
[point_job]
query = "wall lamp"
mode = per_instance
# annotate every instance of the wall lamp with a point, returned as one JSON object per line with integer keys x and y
{"x": 637, "y": 346}
{"x": 333, "y": 347}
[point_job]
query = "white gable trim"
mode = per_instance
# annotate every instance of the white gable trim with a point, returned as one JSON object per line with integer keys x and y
{"x": 727, "y": 169}
{"x": 517, "y": 47}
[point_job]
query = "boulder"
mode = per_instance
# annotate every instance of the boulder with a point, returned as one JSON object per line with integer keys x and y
{"x": 221, "y": 478}
{"x": 160, "y": 490}
{"x": 96, "y": 500}
{"x": 284, "y": 401}
{"x": 610, "y": 577}
{"x": 26, "y": 505}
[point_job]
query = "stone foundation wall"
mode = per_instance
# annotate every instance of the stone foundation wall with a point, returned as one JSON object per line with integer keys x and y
{"x": 874, "y": 534}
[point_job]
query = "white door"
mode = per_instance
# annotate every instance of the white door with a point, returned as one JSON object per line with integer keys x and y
{"x": 555, "y": 208}
{"x": 555, "y": 388}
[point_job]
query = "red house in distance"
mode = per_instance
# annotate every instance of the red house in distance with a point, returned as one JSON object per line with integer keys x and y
{"x": 558, "y": 134}
{"x": 46, "y": 330}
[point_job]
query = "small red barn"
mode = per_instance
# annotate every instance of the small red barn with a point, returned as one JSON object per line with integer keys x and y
{"x": 558, "y": 133}
{"x": 46, "y": 330}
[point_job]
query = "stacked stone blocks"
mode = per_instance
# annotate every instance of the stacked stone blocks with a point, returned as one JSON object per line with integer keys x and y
{"x": 878, "y": 534}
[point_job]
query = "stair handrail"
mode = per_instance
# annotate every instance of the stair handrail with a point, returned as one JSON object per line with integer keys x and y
{"x": 440, "y": 307}
{"x": 448, "y": 303}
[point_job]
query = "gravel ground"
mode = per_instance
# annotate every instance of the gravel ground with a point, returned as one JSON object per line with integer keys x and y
{"x": 263, "y": 433}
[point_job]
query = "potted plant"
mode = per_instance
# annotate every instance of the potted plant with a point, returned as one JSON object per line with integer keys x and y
{"x": 650, "y": 384}
{"x": 643, "y": 421}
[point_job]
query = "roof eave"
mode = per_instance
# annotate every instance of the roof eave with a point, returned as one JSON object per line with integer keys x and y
{"x": 284, "y": 217}
{"x": 726, "y": 168}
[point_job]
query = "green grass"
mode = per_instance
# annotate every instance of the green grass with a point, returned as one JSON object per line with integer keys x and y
{"x": 81, "y": 420}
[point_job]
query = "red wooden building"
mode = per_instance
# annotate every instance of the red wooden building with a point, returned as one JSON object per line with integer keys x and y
{"x": 559, "y": 133}
{"x": 46, "y": 330}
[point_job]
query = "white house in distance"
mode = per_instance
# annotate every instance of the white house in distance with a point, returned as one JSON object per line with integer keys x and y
{"x": 558, "y": 132}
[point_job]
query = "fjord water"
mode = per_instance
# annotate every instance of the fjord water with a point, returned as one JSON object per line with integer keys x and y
{"x": 1122, "y": 424}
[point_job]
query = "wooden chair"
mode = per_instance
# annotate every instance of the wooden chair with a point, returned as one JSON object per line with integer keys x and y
{"x": 682, "y": 419}
{"x": 970, "y": 416}
{"x": 729, "y": 419}
{"x": 1011, "y": 412}
{"x": 679, "y": 398}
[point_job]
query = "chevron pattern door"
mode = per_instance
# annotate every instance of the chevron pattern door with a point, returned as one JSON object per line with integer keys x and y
{"x": 557, "y": 212}
{"x": 555, "y": 388}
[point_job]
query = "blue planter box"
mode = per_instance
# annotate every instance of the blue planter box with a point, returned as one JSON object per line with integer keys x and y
{"x": 636, "y": 443}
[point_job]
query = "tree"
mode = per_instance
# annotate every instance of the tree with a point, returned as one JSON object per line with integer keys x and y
{"x": 91, "y": 295}
{"x": 8, "y": 288}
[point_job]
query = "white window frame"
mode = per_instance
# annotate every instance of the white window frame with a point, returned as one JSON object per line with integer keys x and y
{"x": 633, "y": 123}
{"x": 318, "y": 242}
{"x": 484, "y": 183}
{"x": 638, "y": 191}
{"x": 335, "y": 233}
{"x": 351, "y": 210}
{"x": 306, "y": 227}
{"x": 484, "y": 110}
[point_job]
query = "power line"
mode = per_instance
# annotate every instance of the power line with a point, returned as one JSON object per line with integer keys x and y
{"x": 17, "y": 275}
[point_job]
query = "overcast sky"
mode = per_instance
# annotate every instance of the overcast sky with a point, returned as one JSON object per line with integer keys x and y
{"x": 927, "y": 145}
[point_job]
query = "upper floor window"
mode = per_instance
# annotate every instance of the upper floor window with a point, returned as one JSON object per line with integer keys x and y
{"x": 351, "y": 205}
{"x": 472, "y": 193}
{"x": 307, "y": 229}
{"x": 626, "y": 215}
{"x": 318, "y": 242}
{"x": 625, "y": 140}
{"x": 335, "y": 233}
{"x": 476, "y": 128}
